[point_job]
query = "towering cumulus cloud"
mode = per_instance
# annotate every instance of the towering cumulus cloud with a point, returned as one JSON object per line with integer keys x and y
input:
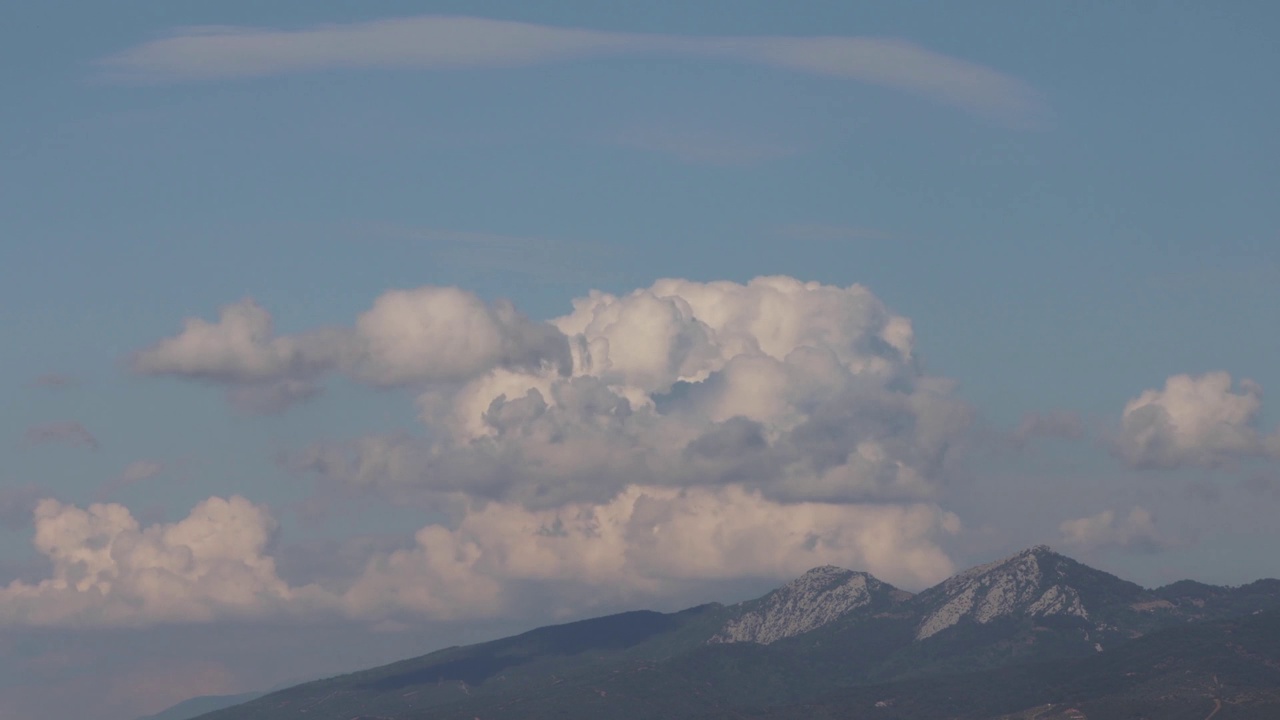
{"x": 685, "y": 431}
{"x": 801, "y": 392}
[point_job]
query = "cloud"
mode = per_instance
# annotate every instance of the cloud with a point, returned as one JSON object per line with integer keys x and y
{"x": 240, "y": 347}
{"x": 802, "y": 391}
{"x": 109, "y": 571}
{"x": 1105, "y": 531}
{"x": 451, "y": 42}
{"x": 442, "y": 334}
{"x": 425, "y": 335}
{"x": 55, "y": 381}
{"x": 522, "y": 258}
{"x": 214, "y": 565}
{"x": 642, "y": 542}
{"x": 1056, "y": 424}
{"x": 1194, "y": 420}
{"x": 67, "y": 432}
{"x": 681, "y": 433}
{"x": 133, "y": 473}
{"x": 270, "y": 398}
{"x": 140, "y": 470}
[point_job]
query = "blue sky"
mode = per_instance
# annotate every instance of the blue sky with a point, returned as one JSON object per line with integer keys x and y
{"x": 1072, "y": 205}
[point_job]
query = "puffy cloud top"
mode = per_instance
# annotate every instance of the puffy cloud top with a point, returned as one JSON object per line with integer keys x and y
{"x": 1197, "y": 420}
{"x": 803, "y": 391}
{"x": 437, "y": 334}
{"x": 240, "y": 347}
{"x": 107, "y": 570}
{"x": 682, "y": 330}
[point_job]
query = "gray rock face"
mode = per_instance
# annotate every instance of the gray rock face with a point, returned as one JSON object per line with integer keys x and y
{"x": 816, "y": 598}
{"x": 1036, "y": 582}
{"x": 1017, "y": 584}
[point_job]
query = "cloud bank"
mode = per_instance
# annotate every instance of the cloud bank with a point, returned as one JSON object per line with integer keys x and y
{"x": 107, "y": 571}
{"x": 452, "y": 42}
{"x": 684, "y": 432}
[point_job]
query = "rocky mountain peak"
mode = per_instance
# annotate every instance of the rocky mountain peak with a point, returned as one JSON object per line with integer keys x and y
{"x": 1031, "y": 582}
{"x": 824, "y": 571}
{"x": 820, "y": 596}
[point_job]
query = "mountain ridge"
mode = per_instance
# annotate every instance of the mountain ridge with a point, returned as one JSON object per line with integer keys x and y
{"x": 827, "y": 631}
{"x": 818, "y": 597}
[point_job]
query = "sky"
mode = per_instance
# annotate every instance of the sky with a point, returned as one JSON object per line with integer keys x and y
{"x": 341, "y": 332}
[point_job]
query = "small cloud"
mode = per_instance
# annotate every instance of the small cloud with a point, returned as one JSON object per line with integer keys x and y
{"x": 67, "y": 432}
{"x": 1054, "y": 424}
{"x": 1103, "y": 531}
{"x": 409, "y": 337}
{"x": 55, "y": 381}
{"x": 140, "y": 470}
{"x": 241, "y": 347}
{"x": 1206, "y": 420}
{"x": 271, "y": 398}
{"x": 135, "y": 472}
{"x": 543, "y": 259}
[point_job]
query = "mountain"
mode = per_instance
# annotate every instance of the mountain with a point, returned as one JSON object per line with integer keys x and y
{"x": 1035, "y": 583}
{"x": 817, "y": 598}
{"x": 202, "y": 705}
{"x": 1036, "y": 633}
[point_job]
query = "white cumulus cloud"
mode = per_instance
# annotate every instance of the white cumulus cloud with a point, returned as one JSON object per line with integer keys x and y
{"x": 426, "y": 335}
{"x": 1194, "y": 420}
{"x": 683, "y": 432}
{"x": 441, "y": 334}
{"x": 642, "y": 541}
{"x": 240, "y": 347}
{"x": 110, "y": 571}
{"x": 803, "y": 391}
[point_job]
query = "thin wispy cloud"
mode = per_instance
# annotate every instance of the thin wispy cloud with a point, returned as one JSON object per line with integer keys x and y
{"x": 54, "y": 381}
{"x": 705, "y": 147}
{"x": 543, "y": 259}
{"x": 1059, "y": 424}
{"x": 66, "y": 432}
{"x": 450, "y": 42}
{"x": 133, "y": 473}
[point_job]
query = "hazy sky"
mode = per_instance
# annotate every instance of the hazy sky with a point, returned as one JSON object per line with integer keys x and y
{"x": 339, "y": 332}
